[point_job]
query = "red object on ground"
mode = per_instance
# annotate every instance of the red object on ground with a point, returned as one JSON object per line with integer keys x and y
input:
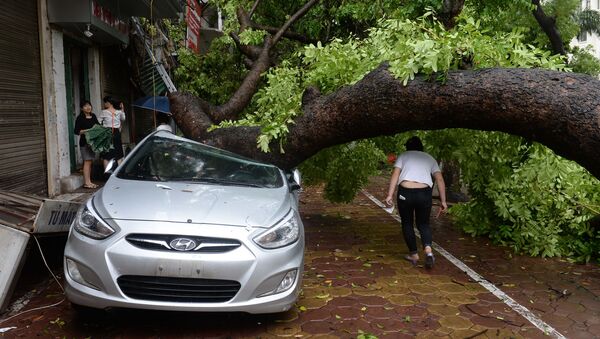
{"x": 391, "y": 158}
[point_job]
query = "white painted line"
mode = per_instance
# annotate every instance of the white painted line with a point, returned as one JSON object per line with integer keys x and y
{"x": 522, "y": 310}
{"x": 6, "y": 329}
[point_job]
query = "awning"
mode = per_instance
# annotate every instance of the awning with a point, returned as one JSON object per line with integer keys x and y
{"x": 154, "y": 103}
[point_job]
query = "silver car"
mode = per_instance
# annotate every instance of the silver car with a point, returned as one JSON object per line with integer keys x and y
{"x": 183, "y": 226}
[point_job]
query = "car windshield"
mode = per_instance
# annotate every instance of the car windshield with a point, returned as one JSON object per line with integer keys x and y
{"x": 178, "y": 159}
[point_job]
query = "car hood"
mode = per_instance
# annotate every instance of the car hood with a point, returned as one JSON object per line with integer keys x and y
{"x": 192, "y": 203}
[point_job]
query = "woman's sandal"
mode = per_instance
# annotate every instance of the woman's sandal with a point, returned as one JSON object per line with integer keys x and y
{"x": 92, "y": 186}
{"x": 412, "y": 260}
{"x": 429, "y": 261}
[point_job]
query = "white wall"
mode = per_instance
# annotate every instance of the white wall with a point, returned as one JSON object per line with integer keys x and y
{"x": 55, "y": 107}
{"x": 55, "y": 102}
{"x": 591, "y": 39}
{"x": 60, "y": 110}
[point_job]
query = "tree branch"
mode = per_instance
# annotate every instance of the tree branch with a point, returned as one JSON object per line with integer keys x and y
{"x": 253, "y": 9}
{"x": 243, "y": 95}
{"x": 191, "y": 114}
{"x": 248, "y": 62}
{"x": 450, "y": 10}
{"x": 252, "y": 52}
{"x": 289, "y": 35}
{"x": 300, "y": 13}
{"x": 243, "y": 19}
{"x": 548, "y": 25}
{"x": 245, "y": 23}
{"x": 562, "y": 112}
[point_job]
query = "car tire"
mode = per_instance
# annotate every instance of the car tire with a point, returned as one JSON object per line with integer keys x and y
{"x": 86, "y": 312}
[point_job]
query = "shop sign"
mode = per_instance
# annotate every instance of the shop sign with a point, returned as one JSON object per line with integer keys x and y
{"x": 55, "y": 216}
{"x": 193, "y": 16}
{"x": 104, "y": 15}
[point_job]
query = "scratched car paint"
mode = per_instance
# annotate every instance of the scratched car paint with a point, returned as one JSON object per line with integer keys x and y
{"x": 184, "y": 226}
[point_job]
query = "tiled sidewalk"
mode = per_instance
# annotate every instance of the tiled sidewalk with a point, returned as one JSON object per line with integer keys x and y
{"x": 563, "y": 294}
{"x": 356, "y": 282}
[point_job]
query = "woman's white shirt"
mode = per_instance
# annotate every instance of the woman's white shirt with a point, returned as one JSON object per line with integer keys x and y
{"x": 416, "y": 166}
{"x": 107, "y": 119}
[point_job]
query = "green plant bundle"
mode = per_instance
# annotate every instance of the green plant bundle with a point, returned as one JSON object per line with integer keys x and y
{"x": 522, "y": 194}
{"x": 99, "y": 138}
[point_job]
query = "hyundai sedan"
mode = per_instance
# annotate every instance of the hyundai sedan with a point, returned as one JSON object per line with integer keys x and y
{"x": 183, "y": 226}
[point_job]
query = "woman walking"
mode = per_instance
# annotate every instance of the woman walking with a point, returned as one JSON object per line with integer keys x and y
{"x": 86, "y": 120}
{"x": 112, "y": 118}
{"x": 412, "y": 176}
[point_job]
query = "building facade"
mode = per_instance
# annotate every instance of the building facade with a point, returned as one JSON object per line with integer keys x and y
{"x": 53, "y": 55}
{"x": 585, "y": 39}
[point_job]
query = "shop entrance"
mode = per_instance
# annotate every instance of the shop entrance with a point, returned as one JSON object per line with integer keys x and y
{"x": 78, "y": 89}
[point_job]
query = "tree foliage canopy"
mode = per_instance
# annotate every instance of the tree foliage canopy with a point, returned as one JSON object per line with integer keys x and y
{"x": 522, "y": 194}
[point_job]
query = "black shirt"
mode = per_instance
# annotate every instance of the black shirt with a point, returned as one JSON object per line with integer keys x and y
{"x": 84, "y": 123}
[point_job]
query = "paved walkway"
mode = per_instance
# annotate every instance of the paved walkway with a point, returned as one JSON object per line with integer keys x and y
{"x": 356, "y": 282}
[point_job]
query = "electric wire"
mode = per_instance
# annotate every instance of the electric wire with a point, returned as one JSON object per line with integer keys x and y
{"x": 46, "y": 263}
{"x": 55, "y": 279}
{"x": 154, "y": 61}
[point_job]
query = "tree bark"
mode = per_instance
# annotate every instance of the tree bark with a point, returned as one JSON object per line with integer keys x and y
{"x": 559, "y": 110}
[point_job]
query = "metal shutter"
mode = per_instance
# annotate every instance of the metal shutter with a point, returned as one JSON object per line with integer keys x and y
{"x": 115, "y": 73}
{"x": 22, "y": 134}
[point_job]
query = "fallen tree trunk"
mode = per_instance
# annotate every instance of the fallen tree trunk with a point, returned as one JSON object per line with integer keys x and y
{"x": 560, "y": 110}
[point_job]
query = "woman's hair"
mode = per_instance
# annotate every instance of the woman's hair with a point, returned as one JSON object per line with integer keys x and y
{"x": 114, "y": 102}
{"x": 162, "y": 118}
{"x": 83, "y": 103}
{"x": 414, "y": 144}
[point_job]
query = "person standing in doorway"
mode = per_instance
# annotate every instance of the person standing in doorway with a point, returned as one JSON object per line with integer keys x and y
{"x": 412, "y": 175}
{"x": 164, "y": 122}
{"x": 112, "y": 117}
{"x": 86, "y": 120}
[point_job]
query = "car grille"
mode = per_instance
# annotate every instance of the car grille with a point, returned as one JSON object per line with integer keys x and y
{"x": 183, "y": 290}
{"x": 163, "y": 242}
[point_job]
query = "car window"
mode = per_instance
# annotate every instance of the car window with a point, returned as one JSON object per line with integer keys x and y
{"x": 177, "y": 159}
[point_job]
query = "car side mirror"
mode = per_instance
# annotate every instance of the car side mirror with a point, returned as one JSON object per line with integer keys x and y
{"x": 111, "y": 166}
{"x": 296, "y": 176}
{"x": 295, "y": 181}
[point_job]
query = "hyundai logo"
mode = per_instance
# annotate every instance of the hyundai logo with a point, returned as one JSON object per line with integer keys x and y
{"x": 183, "y": 244}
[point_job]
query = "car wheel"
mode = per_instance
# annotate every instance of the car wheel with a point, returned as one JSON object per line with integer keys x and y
{"x": 87, "y": 312}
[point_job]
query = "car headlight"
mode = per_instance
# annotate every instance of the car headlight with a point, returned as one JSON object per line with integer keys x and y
{"x": 88, "y": 224}
{"x": 285, "y": 233}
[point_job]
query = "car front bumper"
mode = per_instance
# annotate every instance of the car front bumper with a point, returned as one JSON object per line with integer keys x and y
{"x": 258, "y": 271}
